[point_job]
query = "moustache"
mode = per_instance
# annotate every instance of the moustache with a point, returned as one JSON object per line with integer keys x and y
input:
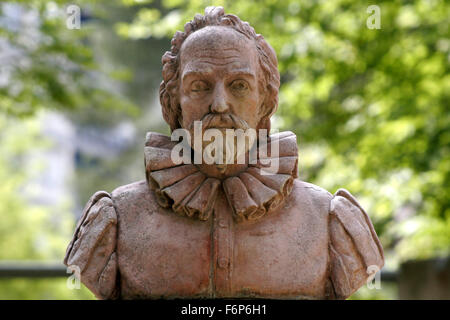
{"x": 222, "y": 120}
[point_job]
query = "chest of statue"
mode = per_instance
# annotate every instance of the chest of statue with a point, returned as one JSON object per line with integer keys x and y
{"x": 275, "y": 256}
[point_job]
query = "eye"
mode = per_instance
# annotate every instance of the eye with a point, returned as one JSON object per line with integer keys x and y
{"x": 239, "y": 86}
{"x": 199, "y": 86}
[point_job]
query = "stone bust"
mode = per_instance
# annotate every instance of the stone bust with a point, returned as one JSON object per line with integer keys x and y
{"x": 218, "y": 230}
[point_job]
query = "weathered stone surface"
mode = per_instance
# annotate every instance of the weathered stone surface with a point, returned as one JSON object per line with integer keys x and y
{"x": 222, "y": 230}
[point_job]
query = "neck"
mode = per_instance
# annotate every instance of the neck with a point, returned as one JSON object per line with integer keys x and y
{"x": 222, "y": 171}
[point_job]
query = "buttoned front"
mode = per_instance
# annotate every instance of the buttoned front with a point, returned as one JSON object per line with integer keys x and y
{"x": 222, "y": 237}
{"x": 182, "y": 257}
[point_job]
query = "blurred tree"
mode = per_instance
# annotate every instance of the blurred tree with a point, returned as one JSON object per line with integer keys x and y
{"x": 29, "y": 231}
{"x": 370, "y": 106}
{"x": 47, "y": 65}
{"x": 139, "y": 62}
{"x": 43, "y": 65}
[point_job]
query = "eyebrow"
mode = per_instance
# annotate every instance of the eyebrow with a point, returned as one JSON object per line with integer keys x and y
{"x": 239, "y": 72}
{"x": 206, "y": 56}
{"x": 243, "y": 72}
{"x": 195, "y": 73}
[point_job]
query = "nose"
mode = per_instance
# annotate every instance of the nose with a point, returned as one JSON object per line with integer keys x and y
{"x": 220, "y": 103}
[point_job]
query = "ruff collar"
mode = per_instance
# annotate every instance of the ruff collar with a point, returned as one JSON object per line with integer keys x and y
{"x": 189, "y": 192}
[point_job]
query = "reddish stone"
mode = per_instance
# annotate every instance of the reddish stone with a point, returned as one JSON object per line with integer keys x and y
{"x": 194, "y": 231}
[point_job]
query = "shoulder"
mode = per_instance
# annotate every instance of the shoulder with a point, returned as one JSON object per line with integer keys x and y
{"x": 130, "y": 192}
{"x": 312, "y": 190}
{"x": 98, "y": 208}
{"x": 307, "y": 204}
{"x": 355, "y": 249}
{"x": 92, "y": 249}
{"x": 307, "y": 194}
{"x": 133, "y": 199}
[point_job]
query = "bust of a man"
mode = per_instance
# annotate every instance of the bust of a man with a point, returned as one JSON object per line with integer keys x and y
{"x": 222, "y": 228}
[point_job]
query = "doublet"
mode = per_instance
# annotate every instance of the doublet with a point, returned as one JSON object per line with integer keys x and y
{"x": 181, "y": 234}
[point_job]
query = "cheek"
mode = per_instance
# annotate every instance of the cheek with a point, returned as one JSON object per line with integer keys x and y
{"x": 249, "y": 110}
{"x": 192, "y": 109}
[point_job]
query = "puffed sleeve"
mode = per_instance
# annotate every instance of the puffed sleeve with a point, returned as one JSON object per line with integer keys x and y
{"x": 92, "y": 249}
{"x": 355, "y": 250}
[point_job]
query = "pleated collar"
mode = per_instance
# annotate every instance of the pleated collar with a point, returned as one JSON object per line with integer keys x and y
{"x": 251, "y": 194}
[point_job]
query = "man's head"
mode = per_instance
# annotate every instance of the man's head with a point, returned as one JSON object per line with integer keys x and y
{"x": 221, "y": 72}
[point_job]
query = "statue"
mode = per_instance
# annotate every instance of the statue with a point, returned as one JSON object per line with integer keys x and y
{"x": 222, "y": 228}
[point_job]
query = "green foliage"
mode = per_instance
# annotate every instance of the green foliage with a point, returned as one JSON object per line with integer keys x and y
{"x": 28, "y": 230}
{"x": 50, "y": 66}
{"x": 387, "y": 291}
{"x": 41, "y": 289}
{"x": 44, "y": 66}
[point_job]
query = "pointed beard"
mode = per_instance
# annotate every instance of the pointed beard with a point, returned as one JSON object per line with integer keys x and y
{"x": 227, "y": 150}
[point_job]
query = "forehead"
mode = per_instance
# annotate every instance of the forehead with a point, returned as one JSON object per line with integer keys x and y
{"x": 216, "y": 47}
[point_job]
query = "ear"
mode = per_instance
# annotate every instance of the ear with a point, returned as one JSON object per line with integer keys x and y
{"x": 264, "y": 122}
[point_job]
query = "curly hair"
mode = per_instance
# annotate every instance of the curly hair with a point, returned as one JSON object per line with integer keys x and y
{"x": 269, "y": 83}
